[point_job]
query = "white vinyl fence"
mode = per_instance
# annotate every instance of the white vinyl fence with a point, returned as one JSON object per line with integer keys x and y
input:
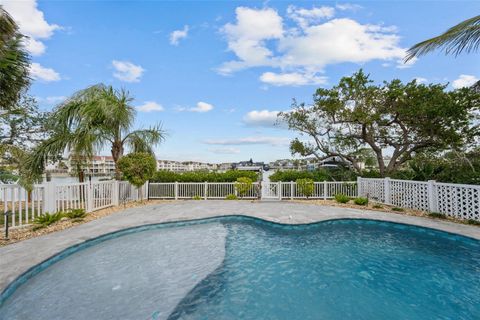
{"x": 49, "y": 197}
{"x": 457, "y": 200}
{"x": 265, "y": 190}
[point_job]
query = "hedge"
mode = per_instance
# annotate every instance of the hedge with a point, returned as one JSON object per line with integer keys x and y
{"x": 202, "y": 176}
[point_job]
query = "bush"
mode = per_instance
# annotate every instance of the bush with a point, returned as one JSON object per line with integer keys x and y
{"x": 75, "y": 214}
{"x": 305, "y": 187}
{"x": 46, "y": 219}
{"x": 474, "y": 222}
{"x": 231, "y": 197}
{"x": 437, "y": 215}
{"x": 197, "y": 198}
{"x": 243, "y": 185}
{"x": 202, "y": 176}
{"x": 361, "y": 201}
{"x": 341, "y": 198}
{"x": 137, "y": 168}
{"x": 398, "y": 209}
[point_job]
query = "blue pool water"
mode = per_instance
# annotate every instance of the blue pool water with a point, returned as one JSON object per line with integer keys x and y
{"x": 243, "y": 268}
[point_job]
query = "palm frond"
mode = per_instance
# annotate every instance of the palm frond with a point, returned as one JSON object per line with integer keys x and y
{"x": 145, "y": 139}
{"x": 464, "y": 37}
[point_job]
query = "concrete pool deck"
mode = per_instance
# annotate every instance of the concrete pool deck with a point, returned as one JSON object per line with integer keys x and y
{"x": 17, "y": 258}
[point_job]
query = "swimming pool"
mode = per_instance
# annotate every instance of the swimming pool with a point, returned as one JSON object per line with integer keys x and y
{"x": 245, "y": 268}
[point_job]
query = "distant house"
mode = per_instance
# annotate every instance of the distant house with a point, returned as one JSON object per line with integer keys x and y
{"x": 250, "y": 166}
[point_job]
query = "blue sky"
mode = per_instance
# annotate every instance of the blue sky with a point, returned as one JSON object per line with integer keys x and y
{"x": 215, "y": 73}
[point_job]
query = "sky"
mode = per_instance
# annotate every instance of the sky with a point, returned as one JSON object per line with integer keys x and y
{"x": 216, "y": 73}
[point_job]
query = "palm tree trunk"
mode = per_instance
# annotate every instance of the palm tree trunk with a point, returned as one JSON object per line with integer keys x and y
{"x": 117, "y": 153}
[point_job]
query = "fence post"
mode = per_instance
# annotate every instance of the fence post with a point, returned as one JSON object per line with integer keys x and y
{"x": 359, "y": 187}
{"x": 291, "y": 190}
{"x": 176, "y": 190}
{"x": 115, "y": 193}
{"x": 279, "y": 189}
{"x": 205, "y": 190}
{"x": 432, "y": 196}
{"x": 50, "y": 198}
{"x": 325, "y": 189}
{"x": 386, "y": 191}
{"x": 147, "y": 189}
{"x": 90, "y": 196}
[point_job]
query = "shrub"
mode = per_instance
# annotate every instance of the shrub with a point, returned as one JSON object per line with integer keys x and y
{"x": 137, "y": 168}
{"x": 398, "y": 209}
{"x": 75, "y": 214}
{"x": 231, "y": 197}
{"x": 243, "y": 185}
{"x": 46, "y": 219}
{"x": 474, "y": 222}
{"x": 361, "y": 201}
{"x": 197, "y": 198}
{"x": 437, "y": 215}
{"x": 202, "y": 176}
{"x": 341, "y": 198}
{"x": 305, "y": 187}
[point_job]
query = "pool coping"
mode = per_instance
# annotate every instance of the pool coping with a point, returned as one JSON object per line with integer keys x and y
{"x": 19, "y": 258}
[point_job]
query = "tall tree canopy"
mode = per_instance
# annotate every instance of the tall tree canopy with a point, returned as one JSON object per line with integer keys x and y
{"x": 392, "y": 119}
{"x": 14, "y": 62}
{"x": 465, "y": 36}
{"x": 97, "y": 117}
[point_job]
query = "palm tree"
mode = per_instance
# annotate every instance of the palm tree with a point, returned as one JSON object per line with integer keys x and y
{"x": 14, "y": 62}
{"x": 92, "y": 119}
{"x": 465, "y": 36}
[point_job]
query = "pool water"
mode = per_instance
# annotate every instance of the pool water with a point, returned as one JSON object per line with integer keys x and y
{"x": 243, "y": 268}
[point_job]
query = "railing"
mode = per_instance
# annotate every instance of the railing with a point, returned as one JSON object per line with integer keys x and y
{"x": 23, "y": 205}
{"x": 267, "y": 190}
{"x": 457, "y": 200}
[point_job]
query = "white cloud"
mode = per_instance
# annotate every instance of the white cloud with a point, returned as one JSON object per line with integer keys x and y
{"x": 259, "y": 38}
{"x": 51, "y": 99}
{"x": 464, "y": 80}
{"x": 421, "y": 80}
{"x": 178, "y": 35}
{"x": 31, "y": 22}
{"x": 348, "y": 6}
{"x": 401, "y": 64}
{"x": 200, "y": 107}
{"x": 127, "y": 71}
{"x": 291, "y": 79}
{"x": 273, "y": 141}
{"x": 41, "y": 73}
{"x": 304, "y": 17}
{"x": 150, "y": 106}
{"x": 226, "y": 150}
{"x": 261, "y": 118}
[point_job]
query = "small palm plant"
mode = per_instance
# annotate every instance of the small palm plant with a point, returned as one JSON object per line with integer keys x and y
{"x": 46, "y": 219}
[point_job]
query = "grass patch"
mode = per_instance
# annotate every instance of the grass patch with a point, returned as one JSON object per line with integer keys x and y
{"x": 341, "y": 198}
{"x": 197, "y": 198}
{"x": 437, "y": 215}
{"x": 398, "y": 209}
{"x": 473, "y": 222}
{"x": 231, "y": 197}
{"x": 361, "y": 201}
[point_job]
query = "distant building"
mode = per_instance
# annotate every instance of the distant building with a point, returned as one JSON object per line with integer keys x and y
{"x": 182, "y": 166}
{"x": 250, "y": 166}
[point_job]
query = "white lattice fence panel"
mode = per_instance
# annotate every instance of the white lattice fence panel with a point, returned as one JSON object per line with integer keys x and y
{"x": 409, "y": 194}
{"x": 373, "y": 188}
{"x": 461, "y": 201}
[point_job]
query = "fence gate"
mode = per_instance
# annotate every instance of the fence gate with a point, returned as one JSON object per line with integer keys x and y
{"x": 271, "y": 190}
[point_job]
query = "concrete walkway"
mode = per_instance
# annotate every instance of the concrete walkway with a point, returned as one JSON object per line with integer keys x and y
{"x": 17, "y": 258}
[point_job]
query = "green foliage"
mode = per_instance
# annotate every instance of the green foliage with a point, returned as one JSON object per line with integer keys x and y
{"x": 473, "y": 222}
{"x": 75, "y": 214}
{"x": 243, "y": 185}
{"x": 361, "y": 201}
{"x": 437, "y": 215}
{"x": 397, "y": 118}
{"x": 341, "y": 198}
{"x": 398, "y": 209}
{"x": 334, "y": 174}
{"x": 197, "y": 198}
{"x": 202, "y": 176}
{"x": 231, "y": 197}
{"x": 305, "y": 187}
{"x": 377, "y": 206}
{"x": 46, "y": 219}
{"x": 137, "y": 168}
